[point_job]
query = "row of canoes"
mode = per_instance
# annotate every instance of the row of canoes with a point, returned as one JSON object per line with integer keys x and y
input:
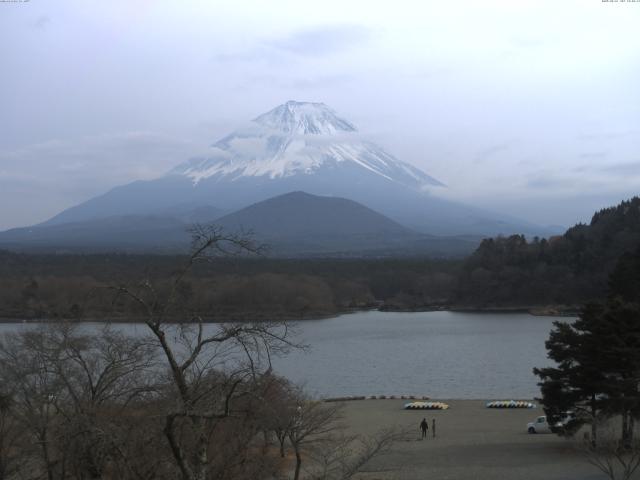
{"x": 374, "y": 397}
{"x": 426, "y": 406}
{"x": 444, "y": 406}
{"x": 510, "y": 404}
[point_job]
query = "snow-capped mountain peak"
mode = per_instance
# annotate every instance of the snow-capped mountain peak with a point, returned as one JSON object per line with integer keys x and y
{"x": 299, "y": 138}
{"x": 304, "y": 118}
{"x": 296, "y": 147}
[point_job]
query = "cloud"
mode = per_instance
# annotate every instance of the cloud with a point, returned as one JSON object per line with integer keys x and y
{"x": 548, "y": 182}
{"x": 320, "y": 81}
{"x": 593, "y": 155}
{"x": 320, "y": 41}
{"x": 296, "y": 82}
{"x": 42, "y": 22}
{"x": 623, "y": 169}
{"x": 253, "y": 147}
{"x": 312, "y": 42}
{"x": 521, "y": 40}
{"x": 253, "y": 55}
{"x": 611, "y": 135}
{"x": 61, "y": 173}
{"x": 98, "y": 158}
{"x": 491, "y": 151}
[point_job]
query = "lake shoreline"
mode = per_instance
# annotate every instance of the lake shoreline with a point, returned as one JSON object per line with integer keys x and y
{"x": 537, "y": 311}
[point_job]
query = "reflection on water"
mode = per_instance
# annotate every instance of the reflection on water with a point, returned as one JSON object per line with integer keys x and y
{"x": 439, "y": 354}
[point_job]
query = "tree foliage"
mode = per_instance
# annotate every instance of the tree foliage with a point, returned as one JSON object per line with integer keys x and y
{"x": 571, "y": 269}
{"x": 597, "y": 372}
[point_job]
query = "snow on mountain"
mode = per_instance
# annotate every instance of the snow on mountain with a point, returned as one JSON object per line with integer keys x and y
{"x": 298, "y": 147}
{"x": 304, "y": 118}
{"x": 298, "y": 138}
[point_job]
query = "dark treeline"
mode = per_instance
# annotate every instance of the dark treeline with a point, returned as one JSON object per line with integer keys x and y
{"x": 68, "y": 286}
{"x": 504, "y": 272}
{"x": 565, "y": 270}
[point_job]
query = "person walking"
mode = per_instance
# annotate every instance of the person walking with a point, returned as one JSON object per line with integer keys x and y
{"x": 433, "y": 428}
{"x": 424, "y": 426}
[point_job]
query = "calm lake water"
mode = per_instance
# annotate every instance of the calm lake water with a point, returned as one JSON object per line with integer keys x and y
{"x": 438, "y": 354}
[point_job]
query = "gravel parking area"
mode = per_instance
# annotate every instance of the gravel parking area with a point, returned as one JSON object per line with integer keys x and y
{"x": 472, "y": 442}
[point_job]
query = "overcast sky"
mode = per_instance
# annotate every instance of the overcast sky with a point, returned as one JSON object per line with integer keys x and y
{"x": 528, "y": 108}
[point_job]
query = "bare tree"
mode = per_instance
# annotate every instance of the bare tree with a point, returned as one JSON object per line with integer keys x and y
{"x": 102, "y": 374}
{"x": 34, "y": 387}
{"x": 316, "y": 433}
{"x": 618, "y": 459}
{"x": 313, "y": 422}
{"x": 343, "y": 456}
{"x": 279, "y": 408}
{"x": 69, "y": 387}
{"x": 209, "y": 368}
{"x": 10, "y": 437}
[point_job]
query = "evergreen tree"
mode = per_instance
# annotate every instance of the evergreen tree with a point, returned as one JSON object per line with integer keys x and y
{"x": 620, "y": 337}
{"x": 577, "y": 384}
{"x": 624, "y": 281}
{"x": 598, "y": 358}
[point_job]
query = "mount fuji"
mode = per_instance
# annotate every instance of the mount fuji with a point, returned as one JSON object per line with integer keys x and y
{"x": 297, "y": 146}
{"x": 303, "y": 140}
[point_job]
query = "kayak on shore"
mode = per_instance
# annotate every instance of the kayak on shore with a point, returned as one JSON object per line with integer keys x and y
{"x": 510, "y": 404}
{"x": 426, "y": 406}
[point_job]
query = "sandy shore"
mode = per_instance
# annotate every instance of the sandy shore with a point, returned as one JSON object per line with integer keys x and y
{"x": 472, "y": 442}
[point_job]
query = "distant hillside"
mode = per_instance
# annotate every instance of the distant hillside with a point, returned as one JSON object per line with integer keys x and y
{"x": 298, "y": 223}
{"x": 294, "y": 224}
{"x": 128, "y": 233}
{"x": 164, "y": 231}
{"x": 299, "y": 215}
{"x": 568, "y": 269}
{"x": 193, "y": 213}
{"x": 301, "y": 224}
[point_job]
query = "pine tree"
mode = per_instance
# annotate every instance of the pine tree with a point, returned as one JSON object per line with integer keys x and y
{"x": 598, "y": 358}
{"x": 577, "y": 384}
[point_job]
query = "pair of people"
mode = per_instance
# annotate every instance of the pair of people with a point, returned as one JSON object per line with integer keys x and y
{"x": 424, "y": 426}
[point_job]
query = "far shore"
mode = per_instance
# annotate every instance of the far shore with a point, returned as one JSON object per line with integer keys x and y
{"x": 540, "y": 311}
{"x": 536, "y": 310}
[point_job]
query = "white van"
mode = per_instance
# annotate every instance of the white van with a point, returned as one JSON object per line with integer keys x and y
{"x": 539, "y": 425}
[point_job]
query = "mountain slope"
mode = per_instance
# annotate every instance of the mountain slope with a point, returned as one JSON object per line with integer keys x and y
{"x": 117, "y": 233}
{"x": 299, "y": 222}
{"x": 301, "y": 147}
{"x": 294, "y": 224}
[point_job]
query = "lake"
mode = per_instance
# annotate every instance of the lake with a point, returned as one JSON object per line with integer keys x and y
{"x": 438, "y": 354}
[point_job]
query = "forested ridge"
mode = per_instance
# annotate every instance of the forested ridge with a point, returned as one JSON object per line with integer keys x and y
{"x": 503, "y": 273}
{"x": 564, "y": 270}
